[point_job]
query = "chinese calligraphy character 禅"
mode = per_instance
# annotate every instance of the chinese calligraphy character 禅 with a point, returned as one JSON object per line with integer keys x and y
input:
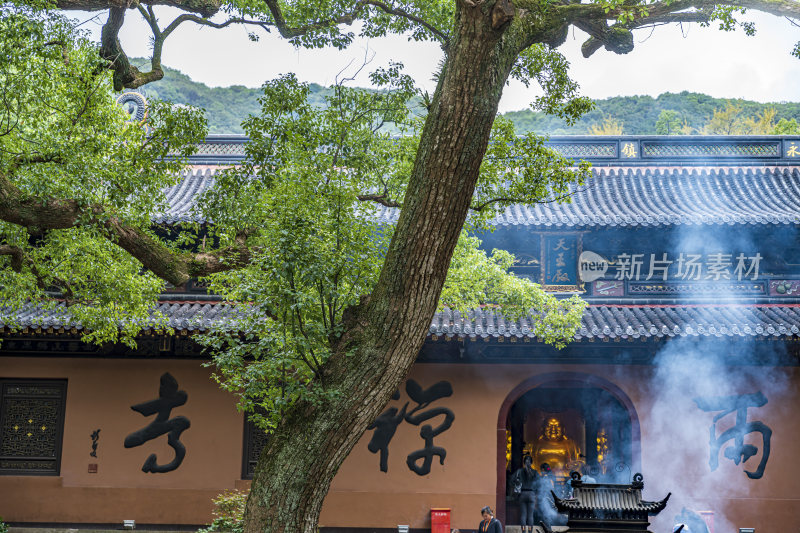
{"x": 387, "y": 422}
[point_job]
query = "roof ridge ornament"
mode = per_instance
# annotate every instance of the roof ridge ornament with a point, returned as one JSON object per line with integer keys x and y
{"x": 135, "y": 105}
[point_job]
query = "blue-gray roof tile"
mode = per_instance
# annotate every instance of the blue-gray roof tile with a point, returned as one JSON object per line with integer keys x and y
{"x": 599, "y": 321}
{"x": 616, "y": 196}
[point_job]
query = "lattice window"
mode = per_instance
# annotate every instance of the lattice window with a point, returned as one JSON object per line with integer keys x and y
{"x": 254, "y": 441}
{"x": 31, "y": 426}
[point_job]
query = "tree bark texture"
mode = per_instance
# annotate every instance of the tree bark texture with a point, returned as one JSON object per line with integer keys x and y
{"x": 385, "y": 332}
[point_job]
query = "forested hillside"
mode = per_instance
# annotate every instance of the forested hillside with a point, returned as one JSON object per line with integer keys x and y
{"x": 638, "y": 115}
{"x": 225, "y": 107}
{"x": 686, "y": 113}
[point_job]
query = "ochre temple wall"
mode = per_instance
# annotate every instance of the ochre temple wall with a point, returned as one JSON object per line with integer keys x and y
{"x": 676, "y": 458}
{"x": 101, "y": 391}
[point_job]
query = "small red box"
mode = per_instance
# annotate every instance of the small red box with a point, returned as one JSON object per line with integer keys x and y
{"x": 440, "y": 520}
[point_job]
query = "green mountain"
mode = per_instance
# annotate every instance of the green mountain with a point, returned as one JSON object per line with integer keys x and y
{"x": 226, "y": 107}
{"x": 638, "y": 114}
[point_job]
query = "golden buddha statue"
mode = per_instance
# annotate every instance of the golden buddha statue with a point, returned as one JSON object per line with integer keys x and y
{"x": 508, "y": 449}
{"x": 556, "y": 449}
{"x": 603, "y": 450}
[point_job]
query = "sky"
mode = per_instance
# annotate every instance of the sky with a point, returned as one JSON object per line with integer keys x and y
{"x": 665, "y": 59}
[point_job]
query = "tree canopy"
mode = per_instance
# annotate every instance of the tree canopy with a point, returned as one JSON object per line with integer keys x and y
{"x": 314, "y": 195}
{"x": 306, "y": 23}
{"x": 296, "y": 229}
{"x": 79, "y": 185}
{"x": 340, "y": 242}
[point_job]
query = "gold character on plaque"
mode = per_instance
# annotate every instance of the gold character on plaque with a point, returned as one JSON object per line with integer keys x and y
{"x": 629, "y": 150}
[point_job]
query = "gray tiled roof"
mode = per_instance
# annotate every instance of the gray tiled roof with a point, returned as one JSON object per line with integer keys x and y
{"x": 636, "y": 321}
{"x": 182, "y": 197}
{"x": 672, "y": 195}
{"x": 619, "y": 196}
{"x": 599, "y": 321}
{"x": 182, "y": 316}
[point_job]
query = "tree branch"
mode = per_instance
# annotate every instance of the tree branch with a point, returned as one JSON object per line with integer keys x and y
{"x": 550, "y": 26}
{"x": 288, "y": 32}
{"x": 175, "y": 267}
{"x": 508, "y": 200}
{"x": 610, "y": 36}
{"x": 126, "y": 76}
{"x": 780, "y": 8}
{"x": 204, "y": 8}
{"x": 381, "y": 199}
{"x": 17, "y": 256}
{"x": 205, "y": 22}
{"x": 349, "y": 17}
{"x": 413, "y": 18}
{"x": 159, "y": 36}
{"x": 35, "y": 159}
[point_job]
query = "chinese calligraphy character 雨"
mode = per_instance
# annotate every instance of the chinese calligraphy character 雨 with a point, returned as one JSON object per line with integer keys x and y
{"x": 739, "y": 451}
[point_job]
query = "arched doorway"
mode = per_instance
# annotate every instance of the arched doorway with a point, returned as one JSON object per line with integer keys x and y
{"x": 597, "y": 418}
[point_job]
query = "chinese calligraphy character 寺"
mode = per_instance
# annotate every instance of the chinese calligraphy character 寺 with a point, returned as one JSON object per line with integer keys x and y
{"x": 169, "y": 397}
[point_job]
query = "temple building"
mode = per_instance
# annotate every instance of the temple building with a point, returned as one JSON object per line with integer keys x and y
{"x": 685, "y": 369}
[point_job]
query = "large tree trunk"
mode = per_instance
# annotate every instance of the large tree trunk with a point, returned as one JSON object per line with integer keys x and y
{"x": 385, "y": 333}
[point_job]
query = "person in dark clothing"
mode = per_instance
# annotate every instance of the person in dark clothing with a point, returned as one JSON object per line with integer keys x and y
{"x": 489, "y": 524}
{"x": 545, "y": 484}
{"x": 527, "y": 479}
